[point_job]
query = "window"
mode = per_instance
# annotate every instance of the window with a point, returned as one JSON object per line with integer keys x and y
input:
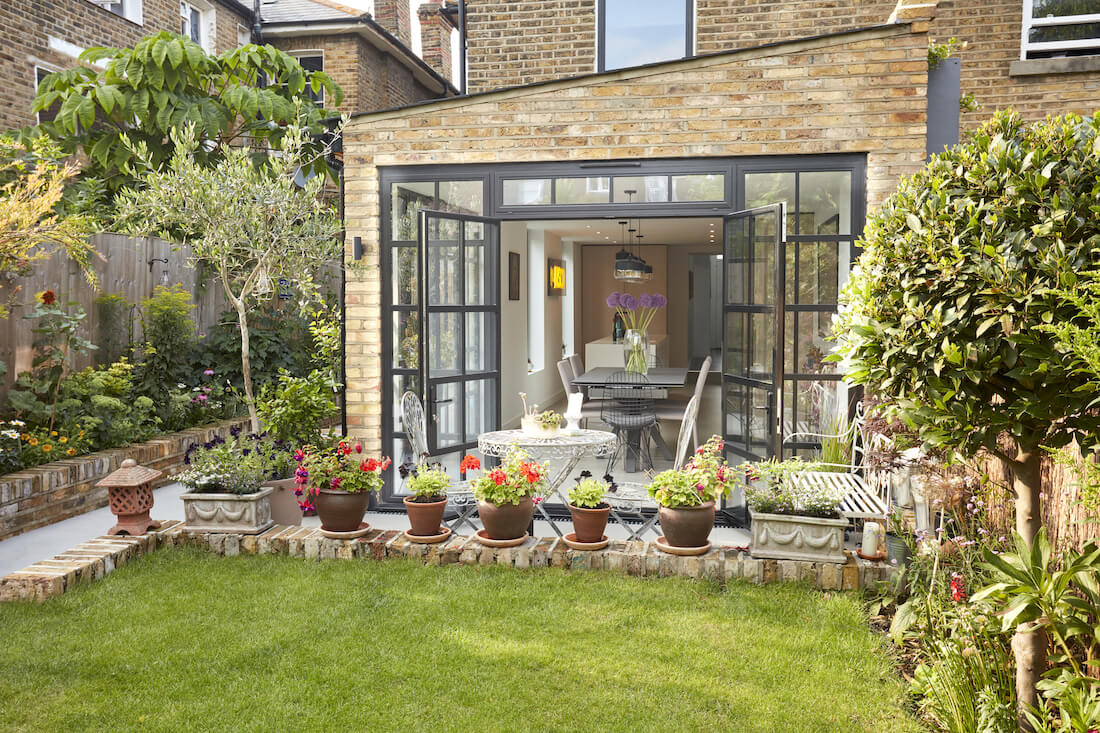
{"x": 128, "y": 9}
{"x": 1060, "y": 28}
{"x": 637, "y": 32}
{"x": 244, "y": 36}
{"x": 50, "y": 113}
{"x": 312, "y": 61}
{"x": 197, "y": 23}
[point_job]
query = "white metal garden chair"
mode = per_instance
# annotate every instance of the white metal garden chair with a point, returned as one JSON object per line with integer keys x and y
{"x": 864, "y": 495}
{"x": 459, "y": 496}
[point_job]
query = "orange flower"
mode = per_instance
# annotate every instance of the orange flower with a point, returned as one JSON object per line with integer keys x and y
{"x": 469, "y": 463}
{"x": 530, "y": 472}
{"x": 498, "y": 476}
{"x": 46, "y": 448}
{"x": 71, "y": 452}
{"x": 33, "y": 441}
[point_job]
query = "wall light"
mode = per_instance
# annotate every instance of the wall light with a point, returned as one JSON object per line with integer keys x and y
{"x": 357, "y": 248}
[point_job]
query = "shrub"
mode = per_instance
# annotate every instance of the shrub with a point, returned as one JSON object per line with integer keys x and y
{"x": 115, "y": 328}
{"x": 105, "y": 404}
{"x": 296, "y": 409}
{"x": 169, "y": 341}
{"x": 428, "y": 483}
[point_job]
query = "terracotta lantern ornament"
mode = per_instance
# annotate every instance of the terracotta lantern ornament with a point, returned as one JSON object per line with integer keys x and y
{"x": 130, "y": 492}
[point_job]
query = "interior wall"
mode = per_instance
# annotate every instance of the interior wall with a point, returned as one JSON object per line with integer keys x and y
{"x": 598, "y": 281}
{"x": 543, "y": 387}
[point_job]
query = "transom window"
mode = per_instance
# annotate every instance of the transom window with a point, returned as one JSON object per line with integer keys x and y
{"x": 637, "y": 32}
{"x": 613, "y": 189}
{"x": 1060, "y": 28}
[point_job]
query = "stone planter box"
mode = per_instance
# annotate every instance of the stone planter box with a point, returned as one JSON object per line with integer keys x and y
{"x": 791, "y": 537}
{"x": 239, "y": 513}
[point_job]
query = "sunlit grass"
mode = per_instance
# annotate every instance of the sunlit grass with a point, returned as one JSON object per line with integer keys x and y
{"x": 183, "y": 640}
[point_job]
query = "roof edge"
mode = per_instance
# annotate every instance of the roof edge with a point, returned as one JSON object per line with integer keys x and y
{"x": 631, "y": 72}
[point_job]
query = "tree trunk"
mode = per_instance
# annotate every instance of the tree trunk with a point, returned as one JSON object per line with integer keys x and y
{"x": 1028, "y": 646}
{"x": 246, "y": 366}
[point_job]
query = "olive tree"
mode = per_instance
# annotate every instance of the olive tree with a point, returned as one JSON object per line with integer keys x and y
{"x": 246, "y": 221}
{"x": 947, "y": 314}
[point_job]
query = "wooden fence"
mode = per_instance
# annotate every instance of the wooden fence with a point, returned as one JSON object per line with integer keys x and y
{"x": 131, "y": 267}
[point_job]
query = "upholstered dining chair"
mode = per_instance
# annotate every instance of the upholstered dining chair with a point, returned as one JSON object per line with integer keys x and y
{"x": 588, "y": 409}
{"x": 674, "y": 409}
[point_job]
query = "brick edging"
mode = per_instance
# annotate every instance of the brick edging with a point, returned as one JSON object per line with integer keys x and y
{"x": 96, "y": 558}
{"x": 36, "y": 497}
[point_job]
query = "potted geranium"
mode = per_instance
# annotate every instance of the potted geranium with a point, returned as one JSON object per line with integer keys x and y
{"x": 792, "y": 519}
{"x": 226, "y": 494}
{"x": 686, "y": 499}
{"x": 428, "y": 486}
{"x": 589, "y": 510}
{"x": 507, "y": 495}
{"x": 336, "y": 481}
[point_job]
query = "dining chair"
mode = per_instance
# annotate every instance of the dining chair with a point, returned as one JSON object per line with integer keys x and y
{"x": 628, "y": 411}
{"x": 577, "y": 363}
{"x": 676, "y": 409}
{"x": 588, "y": 408}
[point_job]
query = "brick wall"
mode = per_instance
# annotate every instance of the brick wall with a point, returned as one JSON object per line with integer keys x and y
{"x": 26, "y": 27}
{"x": 435, "y": 39}
{"x": 992, "y": 31}
{"x": 860, "y": 92}
{"x": 370, "y": 78}
{"x": 393, "y": 15}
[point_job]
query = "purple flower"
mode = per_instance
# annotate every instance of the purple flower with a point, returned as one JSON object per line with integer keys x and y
{"x": 646, "y": 300}
{"x": 628, "y": 302}
{"x": 613, "y": 300}
{"x": 209, "y": 372}
{"x": 201, "y": 398}
{"x": 659, "y": 301}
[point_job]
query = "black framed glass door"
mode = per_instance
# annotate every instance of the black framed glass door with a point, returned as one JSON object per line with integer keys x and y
{"x": 459, "y": 307}
{"x": 754, "y": 290}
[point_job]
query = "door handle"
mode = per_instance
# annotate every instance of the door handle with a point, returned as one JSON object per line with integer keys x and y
{"x": 443, "y": 402}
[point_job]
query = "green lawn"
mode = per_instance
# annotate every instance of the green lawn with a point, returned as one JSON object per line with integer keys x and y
{"x": 183, "y": 640}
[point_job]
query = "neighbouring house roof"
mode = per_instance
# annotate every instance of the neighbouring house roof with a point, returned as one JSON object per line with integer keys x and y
{"x": 290, "y": 18}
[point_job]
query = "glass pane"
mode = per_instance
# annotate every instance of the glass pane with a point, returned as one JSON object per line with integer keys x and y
{"x": 406, "y": 200}
{"x": 402, "y": 383}
{"x": 406, "y": 339}
{"x": 405, "y": 284}
{"x": 443, "y": 344}
{"x": 1075, "y": 32}
{"x": 763, "y": 264}
{"x": 818, "y": 272}
{"x": 640, "y": 32}
{"x": 736, "y": 415}
{"x": 738, "y": 261}
{"x": 646, "y": 189}
{"x": 582, "y": 190}
{"x": 481, "y": 408}
{"x": 478, "y": 271}
{"x": 443, "y": 274}
{"x": 825, "y": 202}
{"x": 760, "y": 419}
{"x": 445, "y": 414}
{"x": 808, "y": 342}
{"x": 480, "y": 341}
{"x": 402, "y": 455}
{"x": 762, "y": 189}
{"x": 708, "y": 187}
{"x": 761, "y": 346}
{"x": 736, "y": 343}
{"x": 526, "y": 192}
{"x": 813, "y": 407}
{"x": 462, "y": 197}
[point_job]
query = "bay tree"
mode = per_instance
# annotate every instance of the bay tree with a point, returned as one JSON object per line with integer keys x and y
{"x": 247, "y": 223}
{"x": 947, "y": 315}
{"x": 246, "y": 96}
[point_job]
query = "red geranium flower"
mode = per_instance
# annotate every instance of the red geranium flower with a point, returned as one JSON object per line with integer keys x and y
{"x": 386, "y": 463}
{"x": 358, "y": 447}
{"x": 469, "y": 463}
{"x": 530, "y": 472}
{"x": 498, "y": 476}
{"x": 47, "y": 297}
{"x": 371, "y": 464}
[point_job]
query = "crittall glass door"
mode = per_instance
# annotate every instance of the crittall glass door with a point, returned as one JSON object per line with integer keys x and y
{"x": 752, "y": 386}
{"x": 459, "y": 360}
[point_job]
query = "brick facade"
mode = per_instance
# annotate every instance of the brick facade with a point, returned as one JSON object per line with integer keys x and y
{"x": 393, "y": 15}
{"x": 861, "y": 92}
{"x": 26, "y": 27}
{"x": 435, "y": 39}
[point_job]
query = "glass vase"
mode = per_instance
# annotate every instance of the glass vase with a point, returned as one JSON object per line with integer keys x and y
{"x": 636, "y": 351}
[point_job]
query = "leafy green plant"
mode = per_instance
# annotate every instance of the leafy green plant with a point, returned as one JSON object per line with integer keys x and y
{"x": 296, "y": 409}
{"x": 773, "y": 488}
{"x": 836, "y": 445}
{"x": 224, "y": 467}
{"x": 169, "y": 340}
{"x": 588, "y": 493}
{"x": 114, "y": 330}
{"x": 105, "y": 403}
{"x": 278, "y": 339}
{"x": 515, "y": 479}
{"x": 428, "y": 483}
{"x": 705, "y": 477}
{"x": 938, "y": 52}
{"x": 245, "y": 97}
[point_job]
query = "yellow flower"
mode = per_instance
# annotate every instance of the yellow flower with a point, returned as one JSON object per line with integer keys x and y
{"x": 25, "y": 437}
{"x": 33, "y": 441}
{"x": 46, "y": 448}
{"x": 62, "y": 440}
{"x": 53, "y": 433}
{"x": 71, "y": 452}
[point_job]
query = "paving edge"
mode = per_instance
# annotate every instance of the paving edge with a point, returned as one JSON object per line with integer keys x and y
{"x": 94, "y": 559}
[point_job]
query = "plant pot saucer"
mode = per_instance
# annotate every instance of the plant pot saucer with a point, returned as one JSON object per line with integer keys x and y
{"x": 571, "y": 541}
{"x": 663, "y": 546}
{"x": 874, "y": 558}
{"x": 428, "y": 539}
{"x": 353, "y": 534}
{"x": 489, "y": 542}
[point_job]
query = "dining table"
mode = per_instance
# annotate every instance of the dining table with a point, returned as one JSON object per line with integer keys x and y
{"x": 658, "y": 380}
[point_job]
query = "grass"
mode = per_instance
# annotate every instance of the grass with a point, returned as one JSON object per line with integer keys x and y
{"x": 182, "y": 640}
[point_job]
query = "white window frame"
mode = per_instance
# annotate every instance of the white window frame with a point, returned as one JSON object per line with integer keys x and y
{"x": 299, "y": 53}
{"x": 208, "y": 23}
{"x": 131, "y": 9}
{"x": 1029, "y": 21}
{"x": 245, "y": 34}
{"x": 48, "y": 70}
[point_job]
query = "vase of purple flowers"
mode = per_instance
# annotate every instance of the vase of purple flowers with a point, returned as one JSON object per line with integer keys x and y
{"x": 637, "y": 313}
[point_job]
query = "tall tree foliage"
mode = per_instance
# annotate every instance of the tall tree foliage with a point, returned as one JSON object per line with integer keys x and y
{"x": 250, "y": 225}
{"x": 947, "y": 314}
{"x": 243, "y": 97}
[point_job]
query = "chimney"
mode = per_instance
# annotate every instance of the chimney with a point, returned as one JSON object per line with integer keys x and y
{"x": 435, "y": 38}
{"x": 393, "y": 15}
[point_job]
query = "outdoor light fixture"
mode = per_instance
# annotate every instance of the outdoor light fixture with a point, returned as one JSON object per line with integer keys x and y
{"x": 357, "y": 248}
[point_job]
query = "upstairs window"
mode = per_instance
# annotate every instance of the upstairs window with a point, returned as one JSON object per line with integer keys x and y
{"x": 128, "y": 9}
{"x": 637, "y": 32}
{"x": 312, "y": 61}
{"x": 197, "y": 22}
{"x": 1055, "y": 28}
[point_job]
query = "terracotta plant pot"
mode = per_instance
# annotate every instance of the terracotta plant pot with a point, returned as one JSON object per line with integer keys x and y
{"x": 425, "y": 518}
{"x": 687, "y": 526}
{"x": 284, "y": 503}
{"x": 341, "y": 511}
{"x": 506, "y": 521}
{"x": 589, "y": 524}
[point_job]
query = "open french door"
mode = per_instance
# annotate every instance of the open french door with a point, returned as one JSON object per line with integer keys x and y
{"x": 754, "y": 289}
